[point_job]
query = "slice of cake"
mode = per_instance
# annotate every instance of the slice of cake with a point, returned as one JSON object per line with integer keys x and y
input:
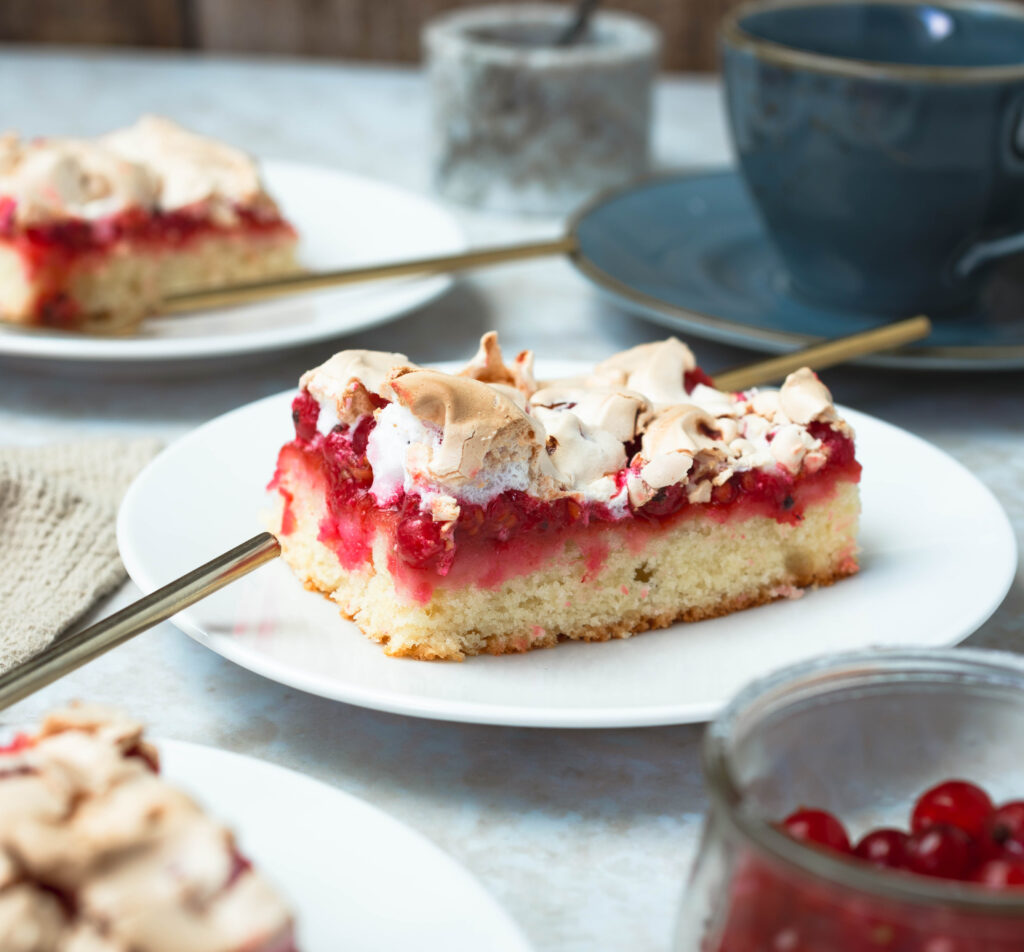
{"x": 450, "y": 515}
{"x": 95, "y": 232}
{"x": 99, "y": 854}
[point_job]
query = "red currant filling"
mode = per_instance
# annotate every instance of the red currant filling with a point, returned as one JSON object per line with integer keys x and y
{"x": 75, "y": 236}
{"x": 20, "y": 742}
{"x": 50, "y": 249}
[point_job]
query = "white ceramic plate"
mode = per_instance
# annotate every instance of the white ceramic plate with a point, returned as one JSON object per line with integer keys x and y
{"x": 938, "y": 557}
{"x": 328, "y": 853}
{"x": 344, "y": 221}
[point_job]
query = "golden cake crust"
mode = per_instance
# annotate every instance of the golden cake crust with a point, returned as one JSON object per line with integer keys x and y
{"x": 694, "y": 572}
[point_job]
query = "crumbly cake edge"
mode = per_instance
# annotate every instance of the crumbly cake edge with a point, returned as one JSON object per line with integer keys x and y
{"x": 505, "y": 644}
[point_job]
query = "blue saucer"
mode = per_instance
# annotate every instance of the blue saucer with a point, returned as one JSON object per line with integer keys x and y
{"x": 689, "y": 252}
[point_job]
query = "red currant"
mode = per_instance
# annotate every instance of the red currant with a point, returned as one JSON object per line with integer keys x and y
{"x": 818, "y": 828}
{"x": 884, "y": 848}
{"x": 954, "y": 803}
{"x": 20, "y": 742}
{"x": 1000, "y": 873}
{"x": 305, "y": 413}
{"x": 1004, "y": 831}
{"x": 944, "y": 851}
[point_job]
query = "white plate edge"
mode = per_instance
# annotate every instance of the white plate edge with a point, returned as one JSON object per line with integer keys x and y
{"x": 38, "y": 346}
{"x": 471, "y": 712}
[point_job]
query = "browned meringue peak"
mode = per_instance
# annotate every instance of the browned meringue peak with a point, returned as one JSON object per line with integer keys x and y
{"x": 488, "y": 366}
{"x": 478, "y": 424}
{"x": 803, "y": 398}
{"x": 672, "y": 441}
{"x": 51, "y": 179}
{"x": 621, "y": 412}
{"x": 342, "y": 383}
{"x": 11, "y": 148}
{"x": 581, "y": 453}
{"x": 113, "y": 726}
{"x": 719, "y": 403}
{"x": 656, "y": 370}
{"x": 149, "y": 872}
{"x": 793, "y": 447}
{"x": 190, "y": 168}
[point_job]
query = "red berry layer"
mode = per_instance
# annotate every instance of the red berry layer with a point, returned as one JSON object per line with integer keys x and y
{"x": 49, "y": 250}
{"x": 515, "y": 532}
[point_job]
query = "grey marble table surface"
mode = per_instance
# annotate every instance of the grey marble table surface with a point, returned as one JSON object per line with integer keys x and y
{"x": 584, "y": 836}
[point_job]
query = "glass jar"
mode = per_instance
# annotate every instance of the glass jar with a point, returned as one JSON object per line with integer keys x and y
{"x": 862, "y": 736}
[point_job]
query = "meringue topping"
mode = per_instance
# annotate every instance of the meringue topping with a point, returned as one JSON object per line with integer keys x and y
{"x": 656, "y": 370}
{"x": 582, "y": 454}
{"x": 190, "y": 168}
{"x": 82, "y": 815}
{"x": 619, "y": 411}
{"x": 343, "y": 384}
{"x": 488, "y": 366}
{"x": 804, "y": 398}
{"x": 616, "y": 436}
{"x": 475, "y": 421}
{"x": 155, "y": 165}
{"x": 61, "y": 178}
{"x": 673, "y": 440}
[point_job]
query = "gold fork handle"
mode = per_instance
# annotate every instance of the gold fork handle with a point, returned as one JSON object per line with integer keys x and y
{"x": 67, "y": 654}
{"x": 825, "y": 354}
{"x": 72, "y": 652}
{"x": 316, "y": 280}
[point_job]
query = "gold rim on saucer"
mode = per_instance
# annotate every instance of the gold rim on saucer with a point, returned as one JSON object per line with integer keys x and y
{"x": 738, "y": 334}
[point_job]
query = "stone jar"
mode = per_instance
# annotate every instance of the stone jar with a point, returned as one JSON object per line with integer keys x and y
{"x": 521, "y": 124}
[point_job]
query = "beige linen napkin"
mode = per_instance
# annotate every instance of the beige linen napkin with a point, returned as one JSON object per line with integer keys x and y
{"x": 58, "y": 551}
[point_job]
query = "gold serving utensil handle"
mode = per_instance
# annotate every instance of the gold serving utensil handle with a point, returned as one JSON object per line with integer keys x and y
{"x": 67, "y": 654}
{"x": 318, "y": 280}
{"x": 826, "y": 354}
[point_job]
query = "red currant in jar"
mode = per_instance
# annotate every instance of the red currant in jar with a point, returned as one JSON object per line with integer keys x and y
{"x": 941, "y": 850}
{"x": 1001, "y": 873}
{"x": 1004, "y": 832}
{"x": 818, "y": 828}
{"x": 956, "y": 803}
{"x": 884, "y": 848}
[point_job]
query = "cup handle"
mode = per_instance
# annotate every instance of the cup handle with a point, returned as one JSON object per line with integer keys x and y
{"x": 1012, "y": 160}
{"x": 985, "y": 251}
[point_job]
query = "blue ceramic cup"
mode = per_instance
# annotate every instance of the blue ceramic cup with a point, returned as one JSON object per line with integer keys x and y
{"x": 883, "y": 143}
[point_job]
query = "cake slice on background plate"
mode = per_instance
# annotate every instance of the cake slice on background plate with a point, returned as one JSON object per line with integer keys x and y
{"x": 94, "y": 233}
{"x": 454, "y": 514}
{"x": 99, "y": 854}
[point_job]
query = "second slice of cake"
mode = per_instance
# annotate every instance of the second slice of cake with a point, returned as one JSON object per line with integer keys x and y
{"x": 454, "y": 514}
{"x": 98, "y": 853}
{"x": 95, "y": 233}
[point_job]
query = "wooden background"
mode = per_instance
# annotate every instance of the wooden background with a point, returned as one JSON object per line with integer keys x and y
{"x": 350, "y": 29}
